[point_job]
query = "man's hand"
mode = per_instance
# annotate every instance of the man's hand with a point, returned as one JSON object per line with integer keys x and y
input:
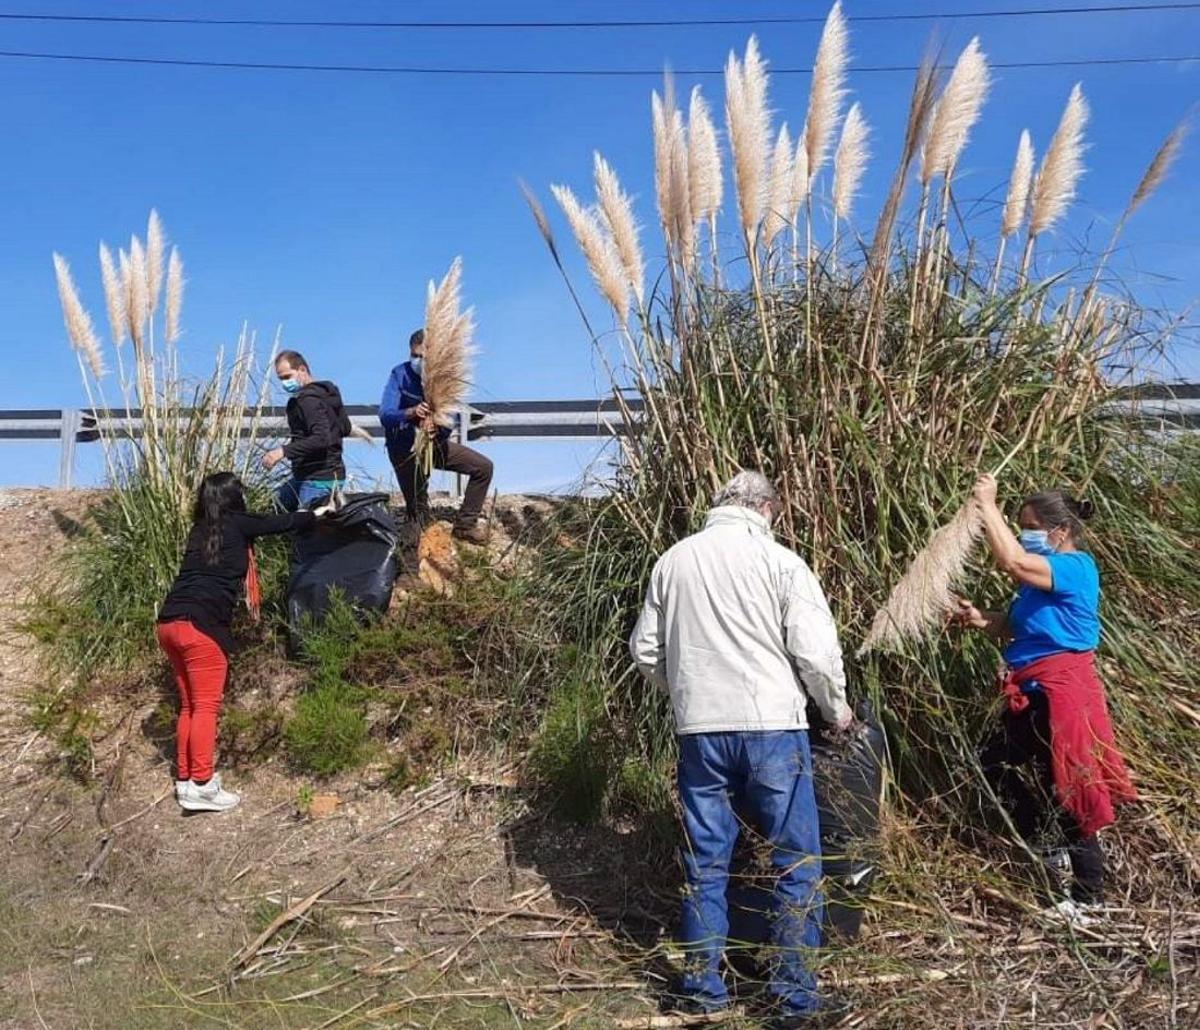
{"x": 845, "y": 720}
{"x": 985, "y": 490}
{"x": 419, "y": 413}
{"x": 273, "y": 457}
{"x": 967, "y": 616}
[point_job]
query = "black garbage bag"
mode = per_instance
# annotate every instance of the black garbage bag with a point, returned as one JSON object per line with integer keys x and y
{"x": 349, "y": 553}
{"x": 848, "y": 782}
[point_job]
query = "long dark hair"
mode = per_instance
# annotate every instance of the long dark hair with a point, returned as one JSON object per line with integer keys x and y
{"x": 219, "y": 493}
{"x": 1055, "y": 508}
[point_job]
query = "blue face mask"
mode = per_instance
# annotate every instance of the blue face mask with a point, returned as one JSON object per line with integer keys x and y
{"x": 1036, "y": 541}
{"x": 290, "y": 386}
{"x": 418, "y": 365}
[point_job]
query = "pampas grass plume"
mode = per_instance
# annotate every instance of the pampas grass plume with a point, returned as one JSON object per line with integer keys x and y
{"x": 956, "y": 112}
{"x": 748, "y": 121}
{"x": 662, "y": 115}
{"x": 539, "y": 217}
{"x": 779, "y": 209}
{"x": 448, "y": 346}
{"x": 114, "y": 296}
{"x": 704, "y": 160}
{"x": 800, "y": 173}
{"x": 617, "y": 208}
{"x": 155, "y": 253}
{"x": 920, "y": 601}
{"x": 1016, "y": 203}
{"x": 76, "y": 319}
{"x": 682, "y": 221}
{"x": 850, "y": 161}
{"x": 174, "y": 294}
{"x": 1054, "y": 188}
{"x": 598, "y": 250}
{"x": 139, "y": 299}
{"x": 828, "y": 88}
{"x": 1158, "y": 168}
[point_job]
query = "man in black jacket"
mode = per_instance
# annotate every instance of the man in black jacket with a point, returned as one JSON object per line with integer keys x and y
{"x": 317, "y": 422}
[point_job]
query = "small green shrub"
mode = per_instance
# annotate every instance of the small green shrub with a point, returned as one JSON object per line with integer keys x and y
{"x": 328, "y": 733}
{"x": 573, "y": 752}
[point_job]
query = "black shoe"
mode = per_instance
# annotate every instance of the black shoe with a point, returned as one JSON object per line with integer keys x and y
{"x": 688, "y": 1005}
{"x": 472, "y": 533}
{"x": 830, "y": 1014}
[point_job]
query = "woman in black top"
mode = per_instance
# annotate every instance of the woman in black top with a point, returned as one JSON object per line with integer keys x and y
{"x": 194, "y": 626}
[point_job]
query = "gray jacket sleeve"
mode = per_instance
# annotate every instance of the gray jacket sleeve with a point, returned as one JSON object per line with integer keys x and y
{"x": 811, "y": 637}
{"x": 647, "y": 644}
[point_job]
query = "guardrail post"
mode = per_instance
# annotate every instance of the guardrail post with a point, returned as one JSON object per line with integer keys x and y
{"x": 68, "y": 427}
{"x": 461, "y": 431}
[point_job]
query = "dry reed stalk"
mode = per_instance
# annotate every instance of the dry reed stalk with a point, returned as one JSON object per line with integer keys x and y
{"x": 780, "y": 193}
{"x": 114, "y": 297}
{"x": 749, "y": 125}
{"x": 174, "y": 294}
{"x": 78, "y": 322}
{"x": 920, "y": 106}
{"x": 598, "y": 249}
{"x": 925, "y": 593}
{"x": 155, "y": 253}
{"x": 617, "y": 208}
{"x": 850, "y": 161}
{"x": 1054, "y": 188}
{"x": 827, "y": 90}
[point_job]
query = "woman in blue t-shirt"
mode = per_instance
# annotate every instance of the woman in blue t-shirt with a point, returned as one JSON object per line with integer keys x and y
{"x": 1056, "y": 722}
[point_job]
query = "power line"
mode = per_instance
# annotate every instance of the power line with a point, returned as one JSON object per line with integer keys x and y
{"x": 552, "y": 72}
{"x": 114, "y": 19}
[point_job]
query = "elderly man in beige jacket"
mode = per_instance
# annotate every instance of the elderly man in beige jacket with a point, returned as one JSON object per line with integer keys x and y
{"x": 736, "y": 629}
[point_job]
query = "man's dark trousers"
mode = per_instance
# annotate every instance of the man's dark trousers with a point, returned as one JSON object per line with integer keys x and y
{"x": 452, "y": 457}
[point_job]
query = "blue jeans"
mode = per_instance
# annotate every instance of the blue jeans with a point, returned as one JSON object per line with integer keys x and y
{"x": 304, "y": 493}
{"x": 768, "y": 776}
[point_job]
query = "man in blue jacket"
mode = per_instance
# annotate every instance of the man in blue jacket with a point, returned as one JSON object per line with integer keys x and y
{"x": 402, "y": 411}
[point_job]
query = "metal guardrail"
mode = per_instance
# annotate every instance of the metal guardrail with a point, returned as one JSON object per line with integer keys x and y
{"x": 1171, "y": 407}
{"x": 486, "y": 420}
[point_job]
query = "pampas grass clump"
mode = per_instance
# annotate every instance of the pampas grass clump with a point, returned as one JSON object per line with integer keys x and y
{"x": 872, "y": 388}
{"x": 189, "y": 429}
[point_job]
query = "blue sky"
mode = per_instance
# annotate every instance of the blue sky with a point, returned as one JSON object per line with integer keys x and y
{"x": 324, "y": 202}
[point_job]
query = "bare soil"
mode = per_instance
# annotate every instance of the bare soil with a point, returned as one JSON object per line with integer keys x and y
{"x": 460, "y": 902}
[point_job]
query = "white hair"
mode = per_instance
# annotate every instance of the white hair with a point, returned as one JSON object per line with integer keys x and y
{"x": 747, "y": 490}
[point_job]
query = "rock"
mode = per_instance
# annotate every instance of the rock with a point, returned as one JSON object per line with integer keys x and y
{"x": 323, "y": 805}
{"x": 437, "y": 559}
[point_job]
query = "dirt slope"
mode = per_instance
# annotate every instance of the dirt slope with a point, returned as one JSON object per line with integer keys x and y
{"x": 464, "y": 903}
{"x": 118, "y": 911}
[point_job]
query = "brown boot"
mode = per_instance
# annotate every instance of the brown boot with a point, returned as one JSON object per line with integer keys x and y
{"x": 472, "y": 532}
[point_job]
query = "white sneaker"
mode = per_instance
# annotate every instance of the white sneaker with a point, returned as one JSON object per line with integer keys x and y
{"x": 208, "y": 798}
{"x": 1070, "y": 911}
{"x": 180, "y": 787}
